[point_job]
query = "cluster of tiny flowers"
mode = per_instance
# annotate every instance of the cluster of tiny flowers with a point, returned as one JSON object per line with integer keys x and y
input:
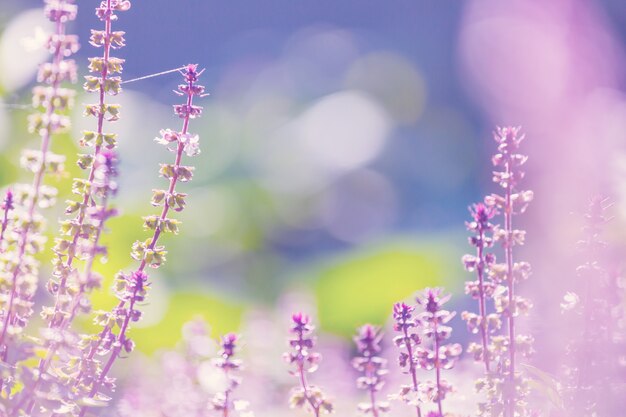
{"x": 483, "y": 288}
{"x": 408, "y": 342}
{"x": 503, "y": 385}
{"x": 22, "y": 228}
{"x": 415, "y": 330}
{"x": 440, "y": 355}
{"x": 92, "y": 383}
{"x": 223, "y": 401}
{"x": 371, "y": 367}
{"x": 304, "y": 361}
{"x": 594, "y": 382}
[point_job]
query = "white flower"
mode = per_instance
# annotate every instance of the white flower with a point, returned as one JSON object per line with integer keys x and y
{"x": 191, "y": 144}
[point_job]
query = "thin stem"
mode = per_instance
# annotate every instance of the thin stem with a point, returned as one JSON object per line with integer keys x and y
{"x": 437, "y": 367}
{"x": 226, "y": 398}
{"x": 5, "y": 218}
{"x": 412, "y": 371}
{"x": 305, "y": 388}
{"x": 116, "y": 351}
{"x": 173, "y": 180}
{"x": 372, "y": 390}
{"x": 508, "y": 250}
{"x": 583, "y": 379}
{"x": 303, "y": 382}
{"x": 480, "y": 272}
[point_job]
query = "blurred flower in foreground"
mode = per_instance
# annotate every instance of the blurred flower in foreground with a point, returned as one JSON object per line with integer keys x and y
{"x": 594, "y": 369}
{"x": 305, "y": 360}
{"x": 223, "y": 401}
{"x": 372, "y": 368}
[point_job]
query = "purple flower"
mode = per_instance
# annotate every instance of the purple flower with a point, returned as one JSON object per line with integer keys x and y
{"x": 368, "y": 340}
{"x": 223, "y": 401}
{"x": 7, "y": 203}
{"x": 441, "y": 356}
{"x": 60, "y": 11}
{"x": 408, "y": 342}
{"x": 432, "y": 301}
{"x": 228, "y": 345}
{"x": 371, "y": 367}
{"x": 305, "y": 360}
{"x": 187, "y": 111}
{"x": 191, "y": 74}
{"x": 403, "y": 316}
{"x": 302, "y": 343}
{"x": 482, "y": 215}
{"x": 106, "y": 13}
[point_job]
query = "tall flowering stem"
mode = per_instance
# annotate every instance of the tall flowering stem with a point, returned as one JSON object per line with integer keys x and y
{"x": 481, "y": 289}
{"x": 372, "y": 368}
{"x": 408, "y": 342}
{"x": 595, "y": 309}
{"x": 305, "y": 361}
{"x": 131, "y": 288}
{"x": 442, "y": 356}
{"x": 81, "y": 234}
{"x": 508, "y": 175}
{"x": 223, "y": 402}
{"x": 25, "y": 239}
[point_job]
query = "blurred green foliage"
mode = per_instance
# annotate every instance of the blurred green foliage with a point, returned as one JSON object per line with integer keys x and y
{"x": 364, "y": 286}
{"x": 184, "y": 306}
